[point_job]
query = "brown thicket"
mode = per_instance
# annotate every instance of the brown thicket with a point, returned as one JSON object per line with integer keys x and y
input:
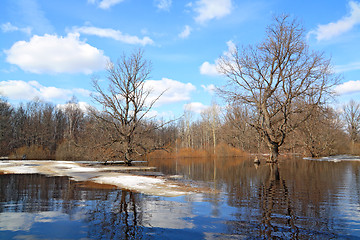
{"x": 351, "y": 116}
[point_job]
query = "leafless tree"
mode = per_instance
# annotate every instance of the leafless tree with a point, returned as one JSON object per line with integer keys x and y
{"x": 280, "y": 80}
{"x": 352, "y": 119}
{"x": 126, "y": 103}
{"x": 74, "y": 116}
{"x": 6, "y": 112}
{"x": 351, "y": 115}
{"x": 322, "y": 133}
{"x": 236, "y": 130}
{"x": 186, "y": 130}
{"x": 211, "y": 122}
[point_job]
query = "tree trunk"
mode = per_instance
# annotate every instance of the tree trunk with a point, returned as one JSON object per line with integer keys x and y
{"x": 128, "y": 159}
{"x": 274, "y": 152}
{"x": 214, "y": 137}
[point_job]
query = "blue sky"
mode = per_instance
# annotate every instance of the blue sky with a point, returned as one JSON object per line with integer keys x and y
{"x": 52, "y": 49}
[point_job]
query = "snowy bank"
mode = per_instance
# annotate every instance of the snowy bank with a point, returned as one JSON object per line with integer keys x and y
{"x": 337, "y": 158}
{"x": 110, "y": 175}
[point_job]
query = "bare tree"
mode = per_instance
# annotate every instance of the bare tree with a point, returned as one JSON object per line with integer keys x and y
{"x": 351, "y": 116}
{"x": 236, "y": 130}
{"x": 321, "y": 134}
{"x": 6, "y": 112}
{"x": 74, "y": 116}
{"x": 211, "y": 120}
{"x": 125, "y": 103}
{"x": 280, "y": 80}
{"x": 186, "y": 129}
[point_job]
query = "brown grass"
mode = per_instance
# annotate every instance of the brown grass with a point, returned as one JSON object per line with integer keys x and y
{"x": 33, "y": 152}
{"x": 222, "y": 150}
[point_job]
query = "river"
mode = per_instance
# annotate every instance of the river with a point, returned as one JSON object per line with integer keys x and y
{"x": 296, "y": 199}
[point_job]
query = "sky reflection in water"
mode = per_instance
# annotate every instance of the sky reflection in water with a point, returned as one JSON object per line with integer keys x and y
{"x": 308, "y": 199}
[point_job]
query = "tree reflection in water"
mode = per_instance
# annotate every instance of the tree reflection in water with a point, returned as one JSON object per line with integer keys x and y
{"x": 275, "y": 205}
{"x": 121, "y": 221}
{"x": 295, "y": 199}
{"x": 107, "y": 213}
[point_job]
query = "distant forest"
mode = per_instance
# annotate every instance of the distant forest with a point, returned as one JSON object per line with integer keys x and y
{"x": 41, "y": 130}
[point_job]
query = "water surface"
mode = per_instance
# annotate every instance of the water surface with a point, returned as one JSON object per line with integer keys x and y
{"x": 298, "y": 199}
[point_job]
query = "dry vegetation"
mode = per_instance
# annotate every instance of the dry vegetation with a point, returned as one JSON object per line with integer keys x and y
{"x": 40, "y": 133}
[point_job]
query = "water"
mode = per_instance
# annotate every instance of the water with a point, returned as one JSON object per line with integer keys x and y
{"x": 298, "y": 199}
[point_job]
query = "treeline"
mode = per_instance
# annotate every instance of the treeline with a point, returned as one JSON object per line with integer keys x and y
{"x": 326, "y": 132}
{"x": 40, "y": 130}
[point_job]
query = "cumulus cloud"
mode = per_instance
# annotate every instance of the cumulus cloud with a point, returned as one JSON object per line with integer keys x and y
{"x": 211, "y": 69}
{"x": 209, "y": 88}
{"x": 345, "y": 24}
{"x": 114, "y": 34}
{"x": 196, "y": 107}
{"x": 348, "y": 87}
{"x": 8, "y": 27}
{"x": 186, "y": 32}
{"x": 53, "y": 54}
{"x": 173, "y": 91}
{"x": 209, "y": 9}
{"x": 21, "y": 90}
{"x": 163, "y": 5}
{"x": 105, "y": 4}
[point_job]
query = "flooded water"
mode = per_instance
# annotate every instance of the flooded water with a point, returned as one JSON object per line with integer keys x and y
{"x": 296, "y": 199}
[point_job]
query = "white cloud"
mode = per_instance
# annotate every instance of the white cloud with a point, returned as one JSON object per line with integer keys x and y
{"x": 209, "y": 88}
{"x": 175, "y": 91}
{"x": 160, "y": 116}
{"x": 186, "y": 32}
{"x": 211, "y": 68}
{"x": 84, "y": 106}
{"x": 8, "y": 27}
{"x": 163, "y": 4}
{"x": 334, "y": 29}
{"x": 114, "y": 34}
{"x": 21, "y": 90}
{"x": 105, "y": 4}
{"x": 53, "y": 54}
{"x": 348, "y": 87}
{"x": 196, "y": 107}
{"x": 231, "y": 47}
{"x": 347, "y": 67}
{"x": 210, "y": 9}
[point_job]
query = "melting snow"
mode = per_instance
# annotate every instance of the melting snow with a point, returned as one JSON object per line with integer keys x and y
{"x": 99, "y": 174}
{"x": 337, "y": 158}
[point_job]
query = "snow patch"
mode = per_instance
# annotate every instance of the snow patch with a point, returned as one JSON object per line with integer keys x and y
{"x": 78, "y": 172}
{"x": 337, "y": 158}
